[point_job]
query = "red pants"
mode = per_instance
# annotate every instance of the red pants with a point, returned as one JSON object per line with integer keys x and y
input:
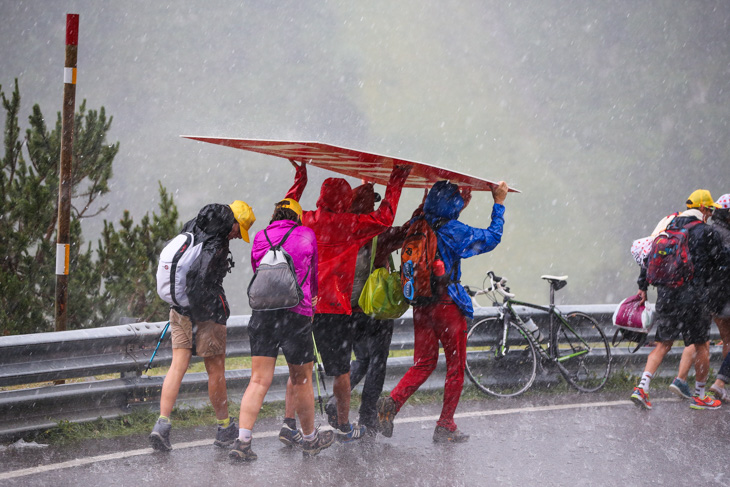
{"x": 439, "y": 322}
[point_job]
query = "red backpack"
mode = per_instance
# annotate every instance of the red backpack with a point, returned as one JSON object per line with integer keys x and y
{"x": 669, "y": 262}
{"x": 418, "y": 254}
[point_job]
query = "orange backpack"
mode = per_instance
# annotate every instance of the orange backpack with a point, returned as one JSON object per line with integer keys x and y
{"x": 419, "y": 252}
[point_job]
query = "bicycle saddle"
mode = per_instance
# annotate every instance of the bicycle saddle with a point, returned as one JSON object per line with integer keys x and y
{"x": 558, "y": 282}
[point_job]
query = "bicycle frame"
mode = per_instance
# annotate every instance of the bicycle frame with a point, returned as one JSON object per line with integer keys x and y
{"x": 556, "y": 317}
{"x": 551, "y": 352}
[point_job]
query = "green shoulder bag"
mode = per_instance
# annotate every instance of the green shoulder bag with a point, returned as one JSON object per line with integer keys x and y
{"x": 382, "y": 296}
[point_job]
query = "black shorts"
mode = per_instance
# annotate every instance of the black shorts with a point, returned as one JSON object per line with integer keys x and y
{"x": 691, "y": 322}
{"x": 334, "y": 335}
{"x": 270, "y": 330}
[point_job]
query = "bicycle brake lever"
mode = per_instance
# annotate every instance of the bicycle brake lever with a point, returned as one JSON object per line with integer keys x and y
{"x": 493, "y": 276}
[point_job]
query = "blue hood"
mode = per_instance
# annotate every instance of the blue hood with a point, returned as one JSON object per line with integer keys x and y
{"x": 444, "y": 201}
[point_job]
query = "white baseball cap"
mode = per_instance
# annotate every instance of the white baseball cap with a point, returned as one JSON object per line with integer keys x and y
{"x": 724, "y": 201}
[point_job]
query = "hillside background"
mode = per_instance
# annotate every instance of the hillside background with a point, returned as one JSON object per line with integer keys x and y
{"x": 606, "y": 115}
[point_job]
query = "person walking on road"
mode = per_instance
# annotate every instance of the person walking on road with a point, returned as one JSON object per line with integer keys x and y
{"x": 339, "y": 235}
{"x": 720, "y": 222}
{"x": 200, "y": 329}
{"x": 372, "y": 336}
{"x": 685, "y": 310}
{"x": 445, "y": 319}
{"x": 288, "y": 328}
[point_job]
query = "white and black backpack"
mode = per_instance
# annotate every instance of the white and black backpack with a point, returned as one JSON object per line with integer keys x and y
{"x": 274, "y": 284}
{"x": 175, "y": 261}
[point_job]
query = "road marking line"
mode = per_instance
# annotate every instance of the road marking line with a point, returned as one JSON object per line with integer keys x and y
{"x": 531, "y": 409}
{"x": 267, "y": 434}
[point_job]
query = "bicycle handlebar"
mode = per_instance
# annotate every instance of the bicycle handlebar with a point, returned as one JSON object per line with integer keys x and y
{"x": 498, "y": 285}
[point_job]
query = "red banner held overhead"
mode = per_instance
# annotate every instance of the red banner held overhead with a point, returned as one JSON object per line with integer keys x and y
{"x": 371, "y": 167}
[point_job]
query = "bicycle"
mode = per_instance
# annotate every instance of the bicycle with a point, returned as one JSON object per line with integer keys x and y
{"x": 502, "y": 353}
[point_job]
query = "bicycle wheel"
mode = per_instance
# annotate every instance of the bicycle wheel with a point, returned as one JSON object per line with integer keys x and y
{"x": 583, "y": 353}
{"x": 502, "y": 368}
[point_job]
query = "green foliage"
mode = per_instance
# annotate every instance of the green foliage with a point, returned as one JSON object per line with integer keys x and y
{"x": 128, "y": 262}
{"x": 120, "y": 280}
{"x": 29, "y": 209}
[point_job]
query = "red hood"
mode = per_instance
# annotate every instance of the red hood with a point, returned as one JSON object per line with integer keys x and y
{"x": 363, "y": 199}
{"x": 335, "y": 196}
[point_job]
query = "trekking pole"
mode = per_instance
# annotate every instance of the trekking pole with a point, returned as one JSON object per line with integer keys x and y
{"x": 319, "y": 372}
{"x": 159, "y": 341}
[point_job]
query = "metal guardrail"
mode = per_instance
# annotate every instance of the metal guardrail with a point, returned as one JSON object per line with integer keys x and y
{"x": 126, "y": 350}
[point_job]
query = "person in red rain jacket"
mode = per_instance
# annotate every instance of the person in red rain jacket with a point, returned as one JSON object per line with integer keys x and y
{"x": 339, "y": 236}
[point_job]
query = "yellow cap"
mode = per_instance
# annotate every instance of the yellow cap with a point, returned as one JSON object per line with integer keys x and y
{"x": 701, "y": 198}
{"x": 244, "y": 216}
{"x": 291, "y": 205}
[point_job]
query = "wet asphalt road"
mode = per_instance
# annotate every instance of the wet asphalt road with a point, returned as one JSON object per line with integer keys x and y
{"x": 570, "y": 439}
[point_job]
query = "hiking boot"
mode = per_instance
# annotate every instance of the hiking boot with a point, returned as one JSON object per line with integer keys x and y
{"x": 641, "y": 398}
{"x": 720, "y": 393}
{"x": 160, "y": 436}
{"x": 442, "y": 435}
{"x": 322, "y": 440}
{"x": 331, "y": 410}
{"x": 707, "y": 402}
{"x": 386, "y": 413}
{"x": 242, "y": 451}
{"x": 226, "y": 436}
{"x": 680, "y": 388}
{"x": 290, "y": 437}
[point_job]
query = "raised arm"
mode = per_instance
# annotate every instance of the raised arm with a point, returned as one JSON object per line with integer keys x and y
{"x": 300, "y": 181}
{"x": 395, "y": 186}
{"x": 371, "y": 224}
{"x": 468, "y": 241}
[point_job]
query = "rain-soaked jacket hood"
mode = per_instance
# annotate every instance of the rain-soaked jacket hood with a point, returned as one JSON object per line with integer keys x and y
{"x": 335, "y": 196}
{"x": 363, "y": 199}
{"x": 443, "y": 202}
{"x": 215, "y": 220}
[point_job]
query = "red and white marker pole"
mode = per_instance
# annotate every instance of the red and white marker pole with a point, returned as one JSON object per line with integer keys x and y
{"x": 63, "y": 243}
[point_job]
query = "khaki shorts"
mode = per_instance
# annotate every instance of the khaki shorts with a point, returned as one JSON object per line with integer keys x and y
{"x": 210, "y": 337}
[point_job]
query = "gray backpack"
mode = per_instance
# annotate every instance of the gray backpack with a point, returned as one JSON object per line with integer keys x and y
{"x": 274, "y": 284}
